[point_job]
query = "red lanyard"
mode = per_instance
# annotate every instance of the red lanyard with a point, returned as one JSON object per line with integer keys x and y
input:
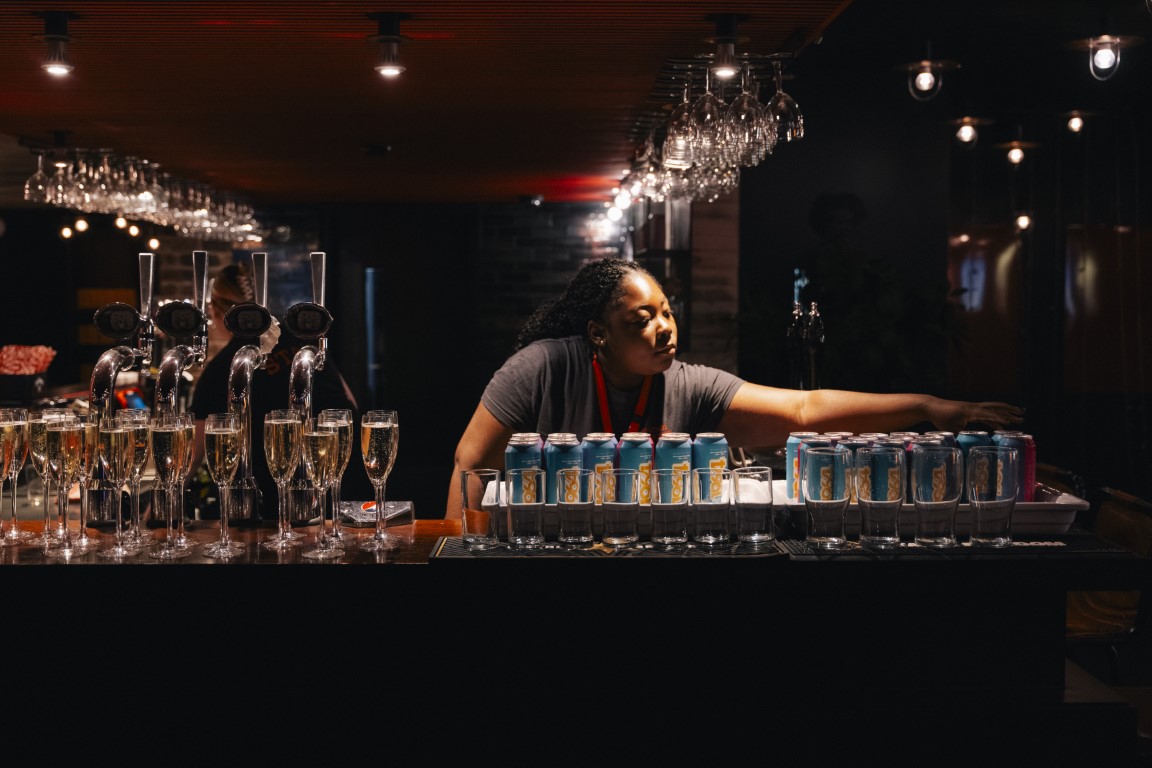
{"x": 602, "y": 395}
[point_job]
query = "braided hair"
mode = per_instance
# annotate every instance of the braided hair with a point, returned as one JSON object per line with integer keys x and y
{"x": 595, "y": 288}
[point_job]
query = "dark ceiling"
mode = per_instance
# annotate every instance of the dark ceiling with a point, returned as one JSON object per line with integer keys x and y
{"x": 279, "y": 101}
{"x": 502, "y": 99}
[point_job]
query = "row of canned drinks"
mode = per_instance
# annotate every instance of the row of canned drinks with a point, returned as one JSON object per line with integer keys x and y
{"x": 965, "y": 440}
{"x": 601, "y": 450}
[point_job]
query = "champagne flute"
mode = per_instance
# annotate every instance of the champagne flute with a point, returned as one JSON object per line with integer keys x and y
{"x": 320, "y": 452}
{"x": 135, "y": 421}
{"x": 341, "y": 418}
{"x": 165, "y": 440}
{"x": 187, "y": 453}
{"x": 14, "y": 443}
{"x": 379, "y": 439}
{"x": 282, "y": 430}
{"x": 90, "y": 429}
{"x": 222, "y": 452}
{"x": 114, "y": 451}
{"x": 63, "y": 442}
{"x": 37, "y": 447}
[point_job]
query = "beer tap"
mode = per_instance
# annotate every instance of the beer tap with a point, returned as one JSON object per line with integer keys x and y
{"x": 247, "y": 320}
{"x": 134, "y": 330}
{"x": 181, "y": 320}
{"x": 309, "y": 320}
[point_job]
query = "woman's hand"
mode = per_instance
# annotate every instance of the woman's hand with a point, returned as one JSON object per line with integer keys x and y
{"x": 957, "y": 415}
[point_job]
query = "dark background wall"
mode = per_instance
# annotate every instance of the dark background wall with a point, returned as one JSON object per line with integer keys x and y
{"x": 1063, "y": 328}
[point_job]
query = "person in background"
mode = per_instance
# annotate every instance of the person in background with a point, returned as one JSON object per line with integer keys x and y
{"x": 231, "y": 285}
{"x": 602, "y": 358}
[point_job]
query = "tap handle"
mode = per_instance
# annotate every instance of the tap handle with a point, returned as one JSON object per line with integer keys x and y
{"x": 200, "y": 279}
{"x": 146, "y": 261}
{"x": 319, "y": 259}
{"x": 260, "y": 278}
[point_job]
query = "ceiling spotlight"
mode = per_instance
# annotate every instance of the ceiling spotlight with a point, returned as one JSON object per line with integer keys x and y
{"x": 966, "y": 129}
{"x": 926, "y": 77}
{"x": 1016, "y": 149}
{"x": 389, "y": 37}
{"x": 56, "y": 61}
{"x": 724, "y": 64}
{"x": 1076, "y": 120}
{"x": 1104, "y": 52}
{"x": 1023, "y": 222}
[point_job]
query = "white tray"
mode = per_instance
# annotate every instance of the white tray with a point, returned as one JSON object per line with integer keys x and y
{"x": 1051, "y": 514}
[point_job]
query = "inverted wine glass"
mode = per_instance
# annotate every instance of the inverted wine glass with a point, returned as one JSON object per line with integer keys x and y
{"x": 342, "y": 419}
{"x": 320, "y": 452}
{"x": 114, "y": 454}
{"x": 222, "y": 453}
{"x": 282, "y": 430}
{"x": 166, "y": 436}
{"x": 379, "y": 440}
{"x": 14, "y": 444}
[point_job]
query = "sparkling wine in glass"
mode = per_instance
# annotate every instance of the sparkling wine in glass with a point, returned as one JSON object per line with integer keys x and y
{"x": 166, "y": 438}
{"x": 282, "y": 430}
{"x": 188, "y": 453}
{"x": 222, "y": 453}
{"x": 114, "y": 452}
{"x": 14, "y": 444}
{"x": 38, "y": 449}
{"x": 90, "y": 428}
{"x": 379, "y": 439}
{"x": 136, "y": 421}
{"x": 320, "y": 452}
{"x": 341, "y": 418}
{"x": 63, "y": 442}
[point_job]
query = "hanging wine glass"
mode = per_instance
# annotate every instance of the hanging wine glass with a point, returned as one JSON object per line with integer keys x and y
{"x": 678, "y": 140}
{"x": 709, "y": 129}
{"x": 789, "y": 120}
{"x": 748, "y": 125}
{"x": 37, "y": 189}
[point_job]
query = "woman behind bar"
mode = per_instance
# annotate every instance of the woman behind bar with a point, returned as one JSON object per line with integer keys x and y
{"x": 602, "y": 358}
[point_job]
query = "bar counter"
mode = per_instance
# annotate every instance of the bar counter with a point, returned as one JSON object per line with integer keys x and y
{"x": 958, "y": 647}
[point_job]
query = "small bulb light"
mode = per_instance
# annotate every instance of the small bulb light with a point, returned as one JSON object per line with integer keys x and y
{"x": 966, "y": 133}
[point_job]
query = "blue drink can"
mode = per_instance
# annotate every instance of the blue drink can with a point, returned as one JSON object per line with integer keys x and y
{"x": 824, "y": 482}
{"x": 710, "y": 451}
{"x": 836, "y": 437}
{"x": 1019, "y": 441}
{"x": 636, "y": 451}
{"x": 674, "y": 451}
{"x": 561, "y": 451}
{"x": 792, "y": 463}
{"x": 816, "y": 441}
{"x": 524, "y": 451}
{"x": 883, "y": 470}
{"x": 598, "y": 451}
{"x": 966, "y": 440}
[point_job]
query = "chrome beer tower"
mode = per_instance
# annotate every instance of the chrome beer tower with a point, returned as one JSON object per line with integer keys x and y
{"x": 308, "y": 321}
{"x": 123, "y": 323}
{"x": 247, "y": 320}
{"x": 181, "y": 320}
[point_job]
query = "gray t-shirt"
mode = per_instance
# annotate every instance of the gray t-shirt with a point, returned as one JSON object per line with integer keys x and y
{"x": 549, "y": 386}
